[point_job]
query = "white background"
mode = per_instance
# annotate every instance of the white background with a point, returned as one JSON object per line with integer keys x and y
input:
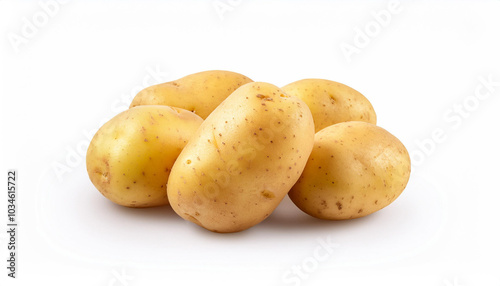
{"x": 81, "y": 65}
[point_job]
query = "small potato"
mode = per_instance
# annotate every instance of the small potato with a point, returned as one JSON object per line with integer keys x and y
{"x": 332, "y": 102}
{"x": 200, "y": 92}
{"x": 243, "y": 159}
{"x": 355, "y": 169}
{"x": 130, "y": 157}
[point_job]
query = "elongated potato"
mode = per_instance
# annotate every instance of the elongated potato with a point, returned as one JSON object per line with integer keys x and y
{"x": 130, "y": 157}
{"x": 243, "y": 159}
{"x": 332, "y": 102}
{"x": 355, "y": 169}
{"x": 200, "y": 92}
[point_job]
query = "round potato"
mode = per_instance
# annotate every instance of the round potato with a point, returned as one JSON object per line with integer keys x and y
{"x": 243, "y": 159}
{"x": 332, "y": 102}
{"x": 130, "y": 157}
{"x": 200, "y": 93}
{"x": 355, "y": 169}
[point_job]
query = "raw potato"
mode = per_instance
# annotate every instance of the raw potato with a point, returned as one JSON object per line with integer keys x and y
{"x": 243, "y": 160}
{"x": 200, "y": 92}
{"x": 130, "y": 157}
{"x": 332, "y": 102}
{"x": 355, "y": 169}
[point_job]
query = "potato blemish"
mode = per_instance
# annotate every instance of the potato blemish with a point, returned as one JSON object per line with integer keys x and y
{"x": 264, "y": 97}
{"x": 324, "y": 204}
{"x": 332, "y": 100}
{"x": 267, "y": 194}
{"x": 339, "y": 205}
{"x": 214, "y": 139}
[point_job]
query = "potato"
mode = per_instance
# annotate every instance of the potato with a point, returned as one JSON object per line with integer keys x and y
{"x": 243, "y": 159}
{"x": 332, "y": 102}
{"x": 355, "y": 169}
{"x": 200, "y": 92}
{"x": 130, "y": 157}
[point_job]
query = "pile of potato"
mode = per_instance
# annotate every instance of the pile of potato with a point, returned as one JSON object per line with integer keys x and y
{"x": 224, "y": 151}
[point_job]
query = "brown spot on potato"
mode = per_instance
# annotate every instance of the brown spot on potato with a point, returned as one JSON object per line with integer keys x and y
{"x": 264, "y": 97}
{"x": 267, "y": 194}
{"x": 339, "y": 205}
{"x": 332, "y": 99}
{"x": 360, "y": 211}
{"x": 188, "y": 162}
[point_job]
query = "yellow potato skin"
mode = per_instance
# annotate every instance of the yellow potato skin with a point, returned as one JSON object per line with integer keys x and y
{"x": 200, "y": 92}
{"x": 331, "y": 102}
{"x": 130, "y": 157}
{"x": 355, "y": 169}
{"x": 243, "y": 159}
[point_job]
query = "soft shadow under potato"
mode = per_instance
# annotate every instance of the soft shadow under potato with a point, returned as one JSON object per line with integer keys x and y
{"x": 153, "y": 214}
{"x": 287, "y": 217}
